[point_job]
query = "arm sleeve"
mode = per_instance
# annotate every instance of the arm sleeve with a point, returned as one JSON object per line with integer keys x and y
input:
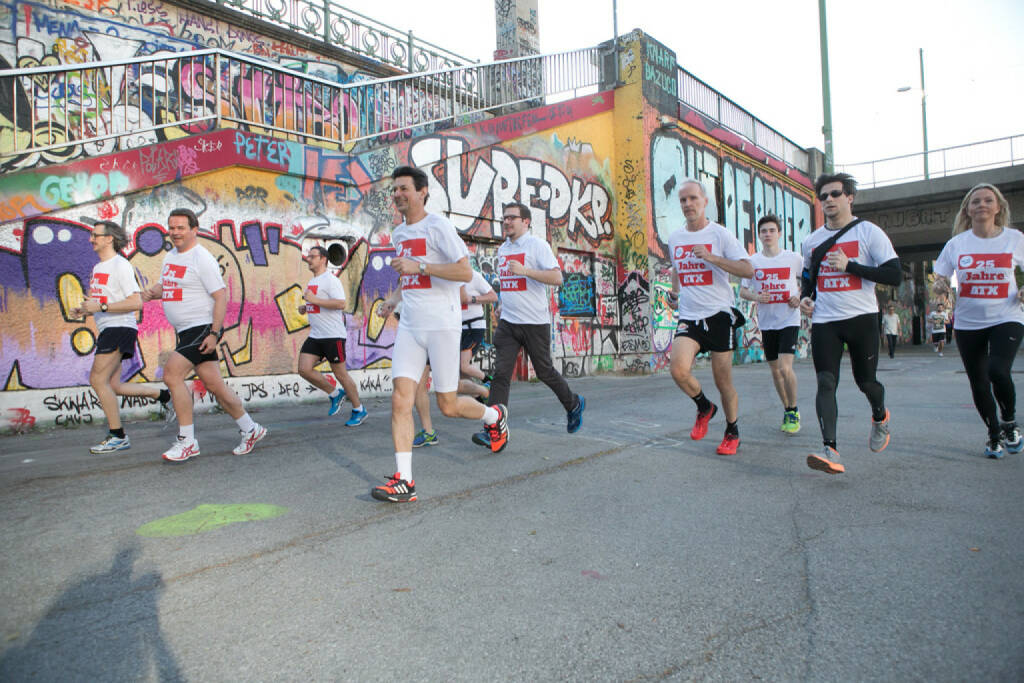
{"x": 889, "y": 273}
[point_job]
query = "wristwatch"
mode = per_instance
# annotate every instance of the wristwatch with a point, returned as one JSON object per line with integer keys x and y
{"x": 216, "y": 333}
{"x": 423, "y": 268}
{"x": 473, "y": 300}
{"x": 103, "y": 307}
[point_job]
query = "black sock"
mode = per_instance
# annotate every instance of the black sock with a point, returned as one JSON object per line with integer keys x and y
{"x": 879, "y": 418}
{"x": 830, "y": 444}
{"x": 794, "y": 409}
{"x": 703, "y": 404}
{"x": 165, "y": 396}
{"x": 119, "y": 432}
{"x": 732, "y": 428}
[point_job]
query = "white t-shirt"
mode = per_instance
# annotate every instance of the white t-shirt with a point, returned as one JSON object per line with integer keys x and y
{"x": 478, "y": 286}
{"x": 113, "y": 280}
{"x": 704, "y": 289}
{"x": 524, "y": 301}
{"x": 430, "y": 303}
{"x": 939, "y": 321}
{"x": 326, "y": 323}
{"x": 778, "y": 277}
{"x": 984, "y": 271}
{"x": 841, "y": 295}
{"x": 891, "y": 323}
{"x": 188, "y": 280}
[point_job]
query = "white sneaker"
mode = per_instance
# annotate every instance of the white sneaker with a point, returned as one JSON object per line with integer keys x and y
{"x": 181, "y": 450}
{"x": 249, "y": 440}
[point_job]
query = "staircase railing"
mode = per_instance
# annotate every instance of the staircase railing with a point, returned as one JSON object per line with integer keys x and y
{"x": 60, "y": 112}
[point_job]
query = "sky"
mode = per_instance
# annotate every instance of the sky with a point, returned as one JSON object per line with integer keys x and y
{"x": 765, "y": 57}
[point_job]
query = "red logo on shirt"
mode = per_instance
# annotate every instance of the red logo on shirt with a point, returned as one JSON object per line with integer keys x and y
{"x": 510, "y": 282}
{"x": 175, "y": 271}
{"x": 985, "y": 276}
{"x": 696, "y": 278}
{"x": 312, "y": 308}
{"x": 416, "y": 281}
{"x": 774, "y": 282}
{"x": 171, "y": 293}
{"x": 413, "y": 247}
{"x": 693, "y": 271}
{"x": 832, "y": 280}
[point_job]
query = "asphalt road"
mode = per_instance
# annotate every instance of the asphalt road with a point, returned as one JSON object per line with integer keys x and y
{"x": 624, "y": 552}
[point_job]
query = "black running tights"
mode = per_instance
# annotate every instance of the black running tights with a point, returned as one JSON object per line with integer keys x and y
{"x": 860, "y": 334}
{"x": 988, "y": 357}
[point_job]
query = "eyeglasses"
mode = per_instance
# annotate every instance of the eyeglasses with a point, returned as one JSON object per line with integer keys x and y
{"x": 509, "y": 219}
{"x": 834, "y": 194}
{"x": 100, "y": 234}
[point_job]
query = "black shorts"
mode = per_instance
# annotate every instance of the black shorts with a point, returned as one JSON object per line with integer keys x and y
{"x": 938, "y": 337}
{"x": 471, "y": 338}
{"x": 188, "y": 345}
{"x": 713, "y": 333}
{"x": 775, "y": 342}
{"x": 117, "y": 339}
{"x": 333, "y": 348}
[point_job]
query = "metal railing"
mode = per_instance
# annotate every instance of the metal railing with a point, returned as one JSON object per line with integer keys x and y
{"x": 62, "y": 111}
{"x": 697, "y": 94}
{"x": 975, "y": 156}
{"x": 336, "y": 25}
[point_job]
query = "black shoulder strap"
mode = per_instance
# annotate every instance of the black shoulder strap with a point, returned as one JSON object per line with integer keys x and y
{"x": 819, "y": 253}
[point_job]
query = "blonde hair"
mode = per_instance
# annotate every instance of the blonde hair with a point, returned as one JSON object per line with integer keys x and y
{"x": 963, "y": 221}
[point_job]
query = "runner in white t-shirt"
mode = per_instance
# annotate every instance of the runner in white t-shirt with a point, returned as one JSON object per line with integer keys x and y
{"x": 195, "y": 301}
{"x": 527, "y": 267}
{"x": 776, "y": 289}
{"x": 891, "y": 328}
{"x": 938, "y": 319}
{"x": 989, "y": 317}
{"x": 843, "y": 308}
{"x": 113, "y": 301}
{"x": 325, "y": 309}
{"x": 432, "y": 261}
{"x": 704, "y": 255}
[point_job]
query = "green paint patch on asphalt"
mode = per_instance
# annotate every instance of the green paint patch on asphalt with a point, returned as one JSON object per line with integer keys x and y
{"x": 207, "y": 518}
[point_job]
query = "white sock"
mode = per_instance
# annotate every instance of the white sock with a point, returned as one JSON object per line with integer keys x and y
{"x": 403, "y": 463}
{"x": 491, "y": 415}
{"x": 187, "y": 431}
{"x": 245, "y": 423}
{"x": 337, "y": 390}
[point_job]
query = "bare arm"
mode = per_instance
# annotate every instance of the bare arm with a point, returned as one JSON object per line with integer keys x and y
{"x": 126, "y": 305}
{"x": 220, "y": 308}
{"x": 460, "y": 271}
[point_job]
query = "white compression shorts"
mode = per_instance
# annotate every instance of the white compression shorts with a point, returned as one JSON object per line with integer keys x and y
{"x": 413, "y": 348}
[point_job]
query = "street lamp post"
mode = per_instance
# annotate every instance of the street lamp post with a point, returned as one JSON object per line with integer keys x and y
{"x": 924, "y": 111}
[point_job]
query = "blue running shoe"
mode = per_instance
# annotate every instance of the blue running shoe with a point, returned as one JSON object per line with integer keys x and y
{"x": 336, "y": 403}
{"x": 994, "y": 448}
{"x": 1012, "y": 438}
{"x": 574, "y": 418}
{"x": 110, "y": 444}
{"x": 482, "y": 439}
{"x": 359, "y": 416}
{"x": 425, "y": 438}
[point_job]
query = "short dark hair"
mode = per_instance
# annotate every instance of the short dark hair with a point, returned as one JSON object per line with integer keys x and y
{"x": 115, "y": 231}
{"x": 849, "y": 184}
{"x": 770, "y": 218}
{"x": 523, "y": 209}
{"x": 419, "y": 178}
{"x": 318, "y": 249}
{"x": 193, "y": 222}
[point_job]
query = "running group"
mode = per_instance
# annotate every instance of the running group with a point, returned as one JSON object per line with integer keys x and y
{"x": 441, "y": 321}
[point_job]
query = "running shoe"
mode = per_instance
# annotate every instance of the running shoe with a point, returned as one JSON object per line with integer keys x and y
{"x": 1012, "y": 438}
{"x": 827, "y": 462}
{"x": 482, "y": 439}
{"x": 700, "y": 427}
{"x": 879, "y": 438}
{"x": 359, "y": 416}
{"x": 336, "y": 403}
{"x": 793, "y": 425}
{"x": 110, "y": 444}
{"x": 574, "y": 418}
{"x": 181, "y": 450}
{"x": 249, "y": 440}
{"x": 994, "y": 448}
{"x": 497, "y": 433}
{"x": 397, "y": 490}
{"x": 785, "y": 421}
{"x": 167, "y": 411}
{"x": 729, "y": 445}
{"x": 425, "y": 438}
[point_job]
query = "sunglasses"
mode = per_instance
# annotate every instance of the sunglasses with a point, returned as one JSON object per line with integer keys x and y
{"x": 834, "y": 193}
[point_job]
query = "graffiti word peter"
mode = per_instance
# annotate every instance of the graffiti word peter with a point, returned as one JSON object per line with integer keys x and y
{"x": 83, "y": 187}
{"x": 693, "y": 271}
{"x": 259, "y": 148}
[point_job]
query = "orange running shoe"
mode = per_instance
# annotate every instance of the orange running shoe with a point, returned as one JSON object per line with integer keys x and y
{"x": 700, "y": 427}
{"x": 397, "y": 490}
{"x": 498, "y": 432}
{"x": 827, "y": 462}
{"x": 729, "y": 445}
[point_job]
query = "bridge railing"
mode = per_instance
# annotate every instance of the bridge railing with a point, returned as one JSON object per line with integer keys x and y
{"x": 697, "y": 94}
{"x": 99, "y": 106}
{"x": 975, "y": 156}
{"x": 336, "y": 25}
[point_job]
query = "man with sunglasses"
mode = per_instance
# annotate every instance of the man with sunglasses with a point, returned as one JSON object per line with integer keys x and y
{"x": 113, "y": 301}
{"x": 840, "y": 299}
{"x": 325, "y": 308}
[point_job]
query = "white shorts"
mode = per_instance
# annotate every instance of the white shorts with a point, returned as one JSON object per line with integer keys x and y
{"x": 414, "y": 347}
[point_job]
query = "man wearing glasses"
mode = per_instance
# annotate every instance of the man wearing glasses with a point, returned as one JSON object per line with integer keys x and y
{"x": 839, "y": 296}
{"x": 113, "y": 300}
{"x": 527, "y": 267}
{"x": 195, "y": 300}
{"x": 325, "y": 308}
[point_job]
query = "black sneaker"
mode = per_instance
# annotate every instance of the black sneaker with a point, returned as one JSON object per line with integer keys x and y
{"x": 574, "y": 418}
{"x": 482, "y": 439}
